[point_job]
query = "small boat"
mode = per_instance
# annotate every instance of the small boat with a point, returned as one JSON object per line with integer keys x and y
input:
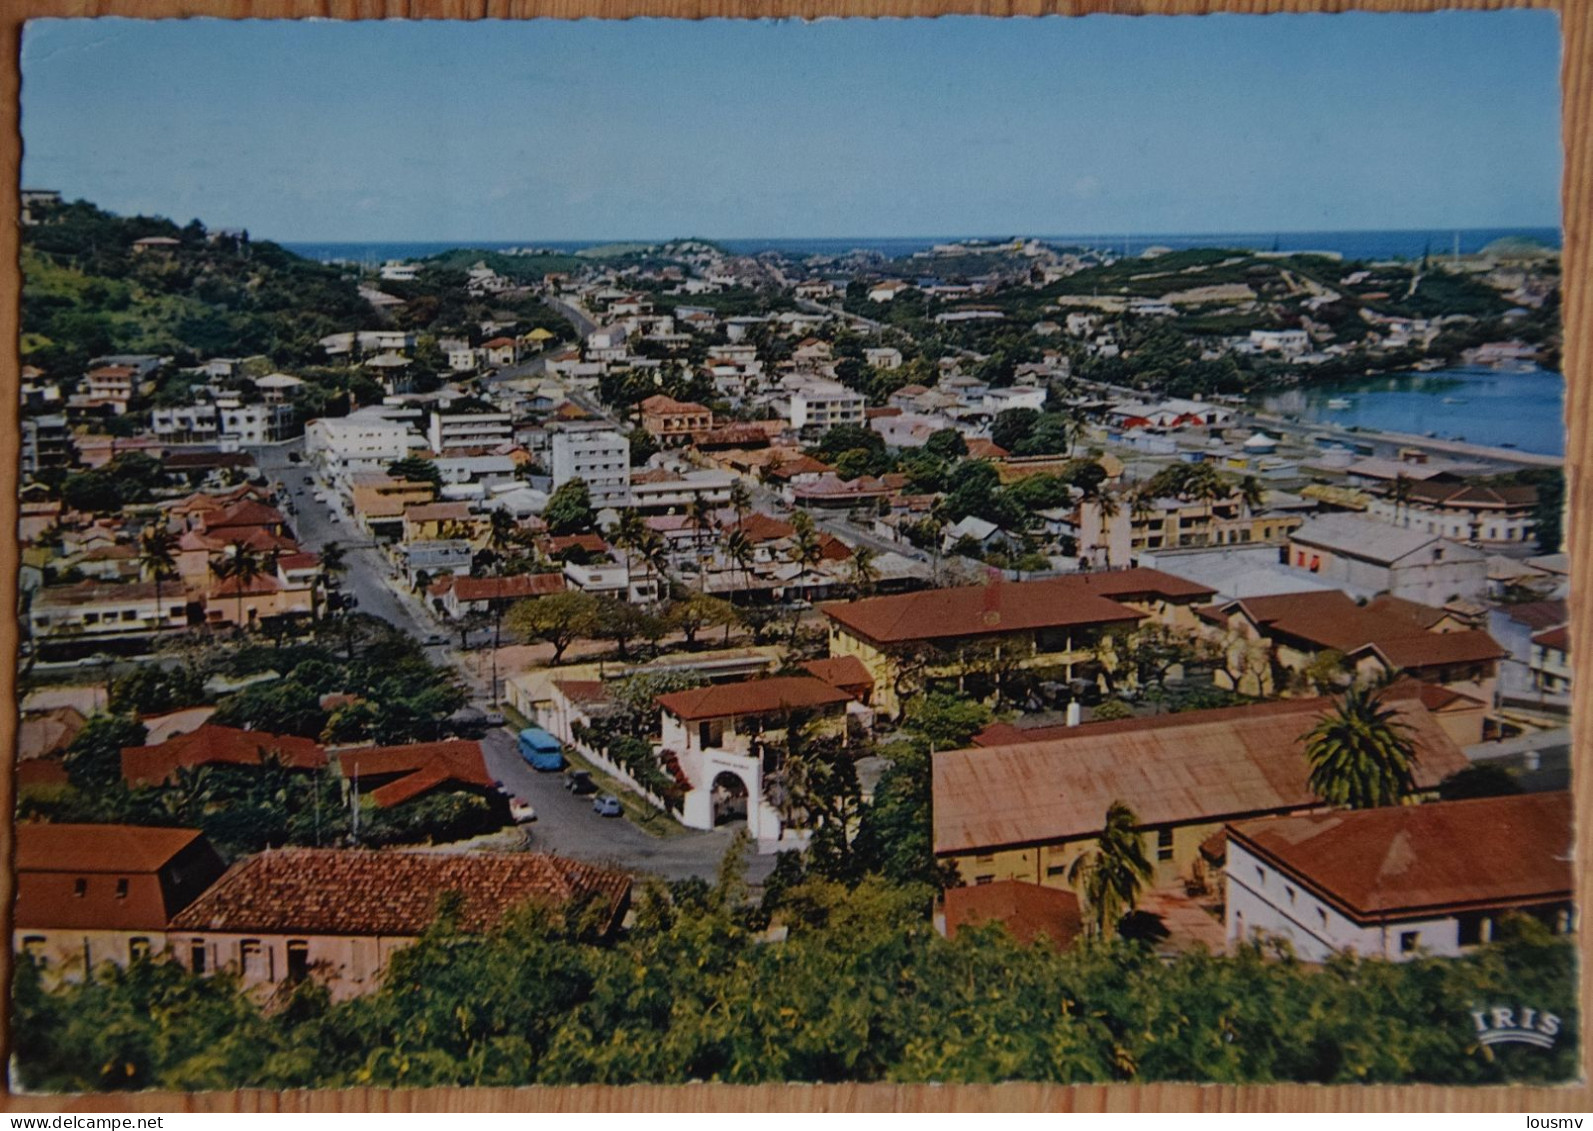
{"x": 1454, "y": 400}
{"x": 1340, "y": 402}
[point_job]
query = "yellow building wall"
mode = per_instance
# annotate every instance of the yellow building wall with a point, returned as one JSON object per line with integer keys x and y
{"x": 1048, "y": 864}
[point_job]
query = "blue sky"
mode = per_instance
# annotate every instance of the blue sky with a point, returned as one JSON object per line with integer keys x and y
{"x": 649, "y": 129}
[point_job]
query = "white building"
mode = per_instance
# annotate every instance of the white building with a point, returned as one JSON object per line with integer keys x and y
{"x": 185, "y": 424}
{"x": 1281, "y": 341}
{"x": 451, "y": 431}
{"x": 362, "y": 441}
{"x": 254, "y": 423}
{"x": 886, "y": 357}
{"x": 600, "y": 459}
{"x": 677, "y": 492}
{"x": 818, "y": 406}
{"x": 1400, "y": 881}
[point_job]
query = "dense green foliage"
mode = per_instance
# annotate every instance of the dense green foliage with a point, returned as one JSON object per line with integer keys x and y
{"x": 863, "y": 989}
{"x": 88, "y": 292}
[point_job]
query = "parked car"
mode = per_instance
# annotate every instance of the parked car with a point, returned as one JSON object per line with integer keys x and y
{"x": 540, "y": 749}
{"x": 520, "y": 809}
{"x": 607, "y": 806}
{"x": 580, "y": 783}
{"x": 493, "y": 719}
{"x": 437, "y": 639}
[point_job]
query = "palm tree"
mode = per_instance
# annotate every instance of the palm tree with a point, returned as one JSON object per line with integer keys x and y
{"x": 242, "y": 566}
{"x": 1108, "y": 507}
{"x": 806, "y": 549}
{"x": 1111, "y": 877}
{"x": 701, "y": 514}
{"x": 865, "y": 574}
{"x": 501, "y": 533}
{"x": 654, "y": 552}
{"x": 1251, "y": 493}
{"x": 1361, "y": 754}
{"x": 1402, "y": 497}
{"x": 334, "y": 564}
{"x": 628, "y": 535}
{"x": 157, "y": 560}
{"x": 739, "y": 549}
{"x": 740, "y": 500}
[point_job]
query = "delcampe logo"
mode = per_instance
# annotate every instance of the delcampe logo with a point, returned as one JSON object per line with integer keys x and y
{"x": 1504, "y": 1025}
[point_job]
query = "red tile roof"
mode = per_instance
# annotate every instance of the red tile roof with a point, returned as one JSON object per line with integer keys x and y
{"x": 437, "y": 512}
{"x": 467, "y": 589}
{"x": 1329, "y": 618}
{"x": 752, "y": 697}
{"x": 1409, "y": 860}
{"x": 401, "y": 773}
{"x": 1558, "y": 639}
{"x": 1028, "y": 911}
{"x": 846, "y": 672}
{"x": 1084, "y": 599}
{"x": 246, "y": 512}
{"x": 1186, "y": 768}
{"x": 213, "y": 745}
{"x": 328, "y": 891}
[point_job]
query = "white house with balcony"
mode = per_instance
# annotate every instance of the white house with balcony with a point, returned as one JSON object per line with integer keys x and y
{"x": 730, "y": 741}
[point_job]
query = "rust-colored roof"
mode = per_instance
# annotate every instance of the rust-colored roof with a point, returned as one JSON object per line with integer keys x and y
{"x": 1028, "y": 911}
{"x": 558, "y": 543}
{"x": 986, "y": 449}
{"x": 401, "y": 773}
{"x": 752, "y": 697}
{"x": 119, "y": 849}
{"x": 330, "y": 891}
{"x": 661, "y": 405}
{"x": 106, "y": 877}
{"x": 846, "y": 672}
{"x": 1329, "y": 618}
{"x": 518, "y": 585}
{"x": 1558, "y": 639}
{"x": 1538, "y": 615}
{"x": 1423, "y": 616}
{"x": 1408, "y": 860}
{"x": 1435, "y": 649}
{"x": 1186, "y": 768}
{"x": 437, "y": 512}
{"x": 246, "y": 512}
{"x": 760, "y": 527}
{"x": 212, "y": 745}
{"x": 1082, "y": 599}
{"x": 583, "y": 690}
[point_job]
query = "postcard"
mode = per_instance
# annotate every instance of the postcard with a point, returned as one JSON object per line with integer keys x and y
{"x": 962, "y": 550}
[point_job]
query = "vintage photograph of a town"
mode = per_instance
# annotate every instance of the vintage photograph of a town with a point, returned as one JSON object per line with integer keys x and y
{"x": 954, "y": 550}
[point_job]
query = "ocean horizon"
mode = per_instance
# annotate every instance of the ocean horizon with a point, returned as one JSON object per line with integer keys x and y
{"x": 1350, "y": 243}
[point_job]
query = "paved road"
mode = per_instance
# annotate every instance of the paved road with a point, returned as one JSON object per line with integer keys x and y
{"x": 369, "y": 571}
{"x": 567, "y": 826}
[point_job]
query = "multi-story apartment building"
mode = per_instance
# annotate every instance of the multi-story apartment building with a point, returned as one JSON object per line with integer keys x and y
{"x": 599, "y": 458}
{"x": 359, "y": 442}
{"x": 186, "y": 424}
{"x": 449, "y": 432}
{"x": 46, "y": 443}
{"x": 818, "y": 406}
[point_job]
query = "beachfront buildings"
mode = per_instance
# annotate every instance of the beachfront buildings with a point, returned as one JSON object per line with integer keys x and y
{"x": 1402, "y": 881}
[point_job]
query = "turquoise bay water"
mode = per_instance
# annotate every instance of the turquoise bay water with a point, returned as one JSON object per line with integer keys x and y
{"x": 1525, "y": 410}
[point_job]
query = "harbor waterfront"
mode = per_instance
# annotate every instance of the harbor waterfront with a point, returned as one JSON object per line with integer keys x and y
{"x": 1521, "y": 409}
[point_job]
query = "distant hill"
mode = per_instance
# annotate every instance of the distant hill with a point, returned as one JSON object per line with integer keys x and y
{"x": 89, "y": 288}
